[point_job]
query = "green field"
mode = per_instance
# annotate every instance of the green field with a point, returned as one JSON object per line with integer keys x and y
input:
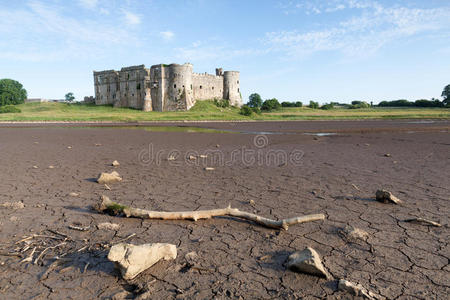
{"x": 207, "y": 110}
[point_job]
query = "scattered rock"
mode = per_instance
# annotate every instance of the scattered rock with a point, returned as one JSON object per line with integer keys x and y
{"x": 307, "y": 261}
{"x": 35, "y": 167}
{"x": 104, "y": 178}
{"x": 134, "y": 259}
{"x": 252, "y": 202}
{"x": 387, "y": 155}
{"x": 357, "y": 290}
{"x": 352, "y": 233}
{"x": 69, "y": 147}
{"x": 386, "y": 197}
{"x": 192, "y": 157}
{"x": 107, "y": 187}
{"x": 203, "y": 156}
{"x": 423, "y": 222}
{"x": 108, "y": 226}
{"x": 209, "y": 169}
{"x": 217, "y": 146}
{"x": 191, "y": 258}
{"x": 171, "y": 158}
{"x": 115, "y": 163}
{"x": 13, "y": 205}
{"x": 98, "y": 145}
{"x": 73, "y": 194}
{"x": 36, "y": 143}
{"x": 51, "y": 167}
{"x": 13, "y": 219}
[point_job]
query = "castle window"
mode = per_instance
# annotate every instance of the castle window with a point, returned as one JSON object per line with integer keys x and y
{"x": 174, "y": 86}
{"x": 238, "y": 90}
{"x": 138, "y": 86}
{"x": 191, "y": 86}
{"x": 128, "y": 75}
{"x": 238, "y": 82}
{"x": 114, "y": 96}
{"x": 212, "y": 88}
{"x": 132, "y": 95}
{"x": 200, "y": 87}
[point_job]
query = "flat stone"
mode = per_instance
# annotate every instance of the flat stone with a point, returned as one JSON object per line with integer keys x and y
{"x": 307, "y": 261}
{"x": 386, "y": 197}
{"x": 108, "y": 226}
{"x": 115, "y": 163}
{"x": 134, "y": 259}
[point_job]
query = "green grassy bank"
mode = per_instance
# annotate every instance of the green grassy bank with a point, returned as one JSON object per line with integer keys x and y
{"x": 207, "y": 110}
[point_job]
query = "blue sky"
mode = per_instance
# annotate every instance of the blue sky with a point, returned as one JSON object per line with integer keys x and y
{"x": 294, "y": 50}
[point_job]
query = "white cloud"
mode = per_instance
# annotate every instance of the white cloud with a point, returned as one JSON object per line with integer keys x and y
{"x": 88, "y": 3}
{"x": 131, "y": 18}
{"x": 362, "y": 35}
{"x": 45, "y": 33}
{"x": 167, "y": 35}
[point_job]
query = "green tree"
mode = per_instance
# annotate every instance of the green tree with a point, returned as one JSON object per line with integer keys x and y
{"x": 313, "y": 104}
{"x": 70, "y": 97}
{"x": 271, "y": 104}
{"x": 446, "y": 95}
{"x": 254, "y": 100}
{"x": 11, "y": 92}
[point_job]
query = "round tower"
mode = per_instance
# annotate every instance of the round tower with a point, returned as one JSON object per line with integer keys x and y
{"x": 231, "y": 87}
{"x": 180, "y": 95}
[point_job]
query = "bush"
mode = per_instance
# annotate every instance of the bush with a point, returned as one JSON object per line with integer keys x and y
{"x": 291, "y": 104}
{"x": 359, "y": 104}
{"x": 246, "y": 110}
{"x": 313, "y": 104}
{"x": 222, "y": 103}
{"x": 9, "y": 109}
{"x": 256, "y": 110}
{"x": 428, "y": 103}
{"x": 396, "y": 103}
{"x": 327, "y": 106}
{"x": 271, "y": 104}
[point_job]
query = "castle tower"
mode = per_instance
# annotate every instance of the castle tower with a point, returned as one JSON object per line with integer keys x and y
{"x": 180, "y": 95}
{"x": 231, "y": 87}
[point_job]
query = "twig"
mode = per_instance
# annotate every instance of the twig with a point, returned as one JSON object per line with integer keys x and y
{"x": 425, "y": 221}
{"x": 10, "y": 254}
{"x": 38, "y": 235}
{"x": 106, "y": 205}
{"x": 43, "y": 251}
{"x": 59, "y": 233}
{"x": 127, "y": 238}
{"x": 79, "y": 228}
{"x": 29, "y": 258}
{"x": 85, "y": 267}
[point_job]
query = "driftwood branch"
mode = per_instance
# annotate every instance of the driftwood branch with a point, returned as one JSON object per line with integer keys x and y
{"x": 113, "y": 208}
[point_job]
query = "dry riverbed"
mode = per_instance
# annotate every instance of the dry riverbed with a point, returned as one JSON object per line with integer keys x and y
{"x": 53, "y": 245}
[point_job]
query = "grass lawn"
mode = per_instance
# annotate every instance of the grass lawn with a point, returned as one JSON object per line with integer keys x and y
{"x": 206, "y": 110}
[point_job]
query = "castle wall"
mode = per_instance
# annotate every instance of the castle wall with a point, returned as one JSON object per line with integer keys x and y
{"x": 132, "y": 87}
{"x": 207, "y": 86}
{"x": 106, "y": 87}
{"x": 164, "y": 87}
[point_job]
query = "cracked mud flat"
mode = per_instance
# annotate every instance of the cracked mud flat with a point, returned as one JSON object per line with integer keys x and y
{"x": 236, "y": 259}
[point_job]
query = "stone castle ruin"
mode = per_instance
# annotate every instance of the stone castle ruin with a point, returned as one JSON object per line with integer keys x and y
{"x": 164, "y": 87}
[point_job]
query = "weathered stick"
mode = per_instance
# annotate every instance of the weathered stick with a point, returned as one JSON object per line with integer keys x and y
{"x": 106, "y": 205}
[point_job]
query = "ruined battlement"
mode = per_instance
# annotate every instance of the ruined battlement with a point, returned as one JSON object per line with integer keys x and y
{"x": 164, "y": 87}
